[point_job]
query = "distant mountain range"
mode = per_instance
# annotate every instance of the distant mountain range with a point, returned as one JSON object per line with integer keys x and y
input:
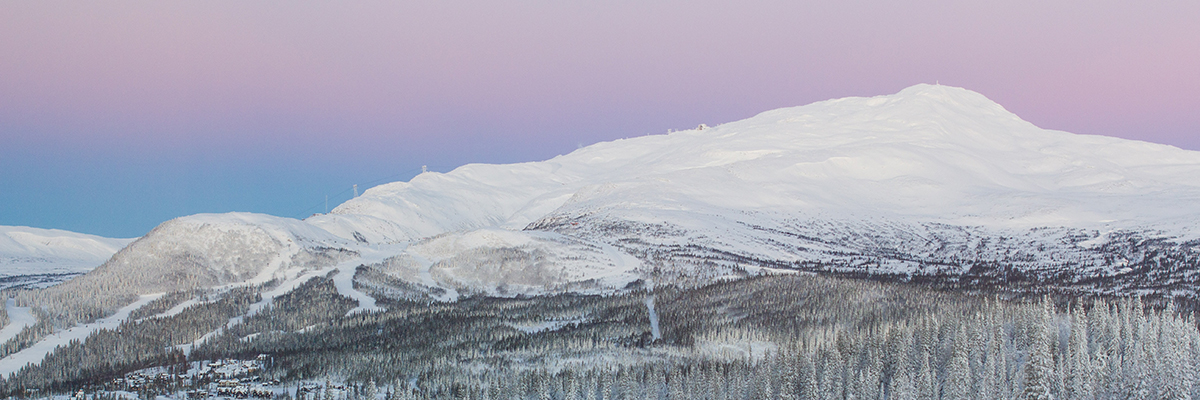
{"x": 34, "y": 257}
{"x": 933, "y": 183}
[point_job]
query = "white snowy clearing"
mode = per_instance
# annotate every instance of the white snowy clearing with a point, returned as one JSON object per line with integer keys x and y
{"x": 18, "y": 319}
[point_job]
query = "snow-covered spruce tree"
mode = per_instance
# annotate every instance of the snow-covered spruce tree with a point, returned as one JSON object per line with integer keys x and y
{"x": 807, "y": 386}
{"x": 790, "y": 380}
{"x": 901, "y": 385}
{"x": 1134, "y": 371}
{"x": 957, "y": 385}
{"x": 675, "y": 387}
{"x": 1177, "y": 377}
{"x": 1039, "y": 363}
{"x": 1078, "y": 359}
{"x": 830, "y": 371}
{"x": 370, "y": 391}
{"x": 926, "y": 377}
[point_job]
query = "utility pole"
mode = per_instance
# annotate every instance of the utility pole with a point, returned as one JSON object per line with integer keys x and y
{"x": 355, "y": 190}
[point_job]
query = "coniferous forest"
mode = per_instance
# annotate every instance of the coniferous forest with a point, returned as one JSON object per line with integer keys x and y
{"x": 767, "y": 337}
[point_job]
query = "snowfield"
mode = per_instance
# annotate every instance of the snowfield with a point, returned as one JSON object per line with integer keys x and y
{"x": 33, "y": 251}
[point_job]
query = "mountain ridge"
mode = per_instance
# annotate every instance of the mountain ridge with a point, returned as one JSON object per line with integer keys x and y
{"x": 933, "y": 180}
{"x": 44, "y": 256}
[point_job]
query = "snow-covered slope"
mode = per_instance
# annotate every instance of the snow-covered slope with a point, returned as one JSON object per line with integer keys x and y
{"x": 929, "y": 152}
{"x": 208, "y": 250}
{"x": 34, "y": 251}
{"x": 933, "y": 180}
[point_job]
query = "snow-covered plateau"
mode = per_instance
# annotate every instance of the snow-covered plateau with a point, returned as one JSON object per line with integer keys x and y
{"x": 31, "y": 257}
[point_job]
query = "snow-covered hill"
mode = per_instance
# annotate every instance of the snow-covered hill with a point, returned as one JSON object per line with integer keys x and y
{"x": 38, "y": 253}
{"x": 928, "y": 152}
{"x": 931, "y": 181}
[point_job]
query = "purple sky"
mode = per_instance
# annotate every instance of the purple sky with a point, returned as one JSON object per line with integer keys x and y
{"x": 116, "y": 116}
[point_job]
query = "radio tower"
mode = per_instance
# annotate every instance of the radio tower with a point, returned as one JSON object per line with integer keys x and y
{"x": 356, "y": 190}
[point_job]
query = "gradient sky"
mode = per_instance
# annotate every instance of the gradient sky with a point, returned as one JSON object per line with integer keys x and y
{"x": 116, "y": 116}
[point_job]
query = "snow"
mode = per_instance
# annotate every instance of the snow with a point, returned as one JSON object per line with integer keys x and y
{"x": 178, "y": 308}
{"x": 41, "y": 349}
{"x": 545, "y": 326}
{"x": 344, "y": 282}
{"x": 929, "y": 153}
{"x": 654, "y": 331}
{"x": 756, "y": 350}
{"x": 18, "y": 319}
{"x": 34, "y": 251}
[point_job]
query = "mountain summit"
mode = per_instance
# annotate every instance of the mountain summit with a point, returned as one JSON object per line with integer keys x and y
{"x": 937, "y": 152}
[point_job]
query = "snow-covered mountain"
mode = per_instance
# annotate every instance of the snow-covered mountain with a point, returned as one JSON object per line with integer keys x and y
{"x": 26, "y": 252}
{"x": 933, "y": 181}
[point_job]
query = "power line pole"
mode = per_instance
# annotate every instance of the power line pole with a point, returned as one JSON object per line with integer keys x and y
{"x": 327, "y": 204}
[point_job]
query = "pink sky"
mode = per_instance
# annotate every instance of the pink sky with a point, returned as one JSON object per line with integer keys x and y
{"x": 305, "y": 86}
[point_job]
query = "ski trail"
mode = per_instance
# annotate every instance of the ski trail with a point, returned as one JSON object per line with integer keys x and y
{"x": 18, "y": 319}
{"x": 653, "y": 318}
{"x": 344, "y": 281}
{"x": 36, "y": 353}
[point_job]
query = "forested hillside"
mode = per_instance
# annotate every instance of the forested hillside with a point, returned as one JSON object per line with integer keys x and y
{"x": 790, "y": 336}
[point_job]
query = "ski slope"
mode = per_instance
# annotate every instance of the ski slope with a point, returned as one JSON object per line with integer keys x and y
{"x": 41, "y": 349}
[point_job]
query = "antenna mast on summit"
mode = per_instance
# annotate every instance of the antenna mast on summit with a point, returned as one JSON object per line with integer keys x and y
{"x": 327, "y": 204}
{"x": 424, "y": 169}
{"x": 355, "y": 190}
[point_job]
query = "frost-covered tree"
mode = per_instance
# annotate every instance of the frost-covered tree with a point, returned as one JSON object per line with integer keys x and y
{"x": 1040, "y": 363}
